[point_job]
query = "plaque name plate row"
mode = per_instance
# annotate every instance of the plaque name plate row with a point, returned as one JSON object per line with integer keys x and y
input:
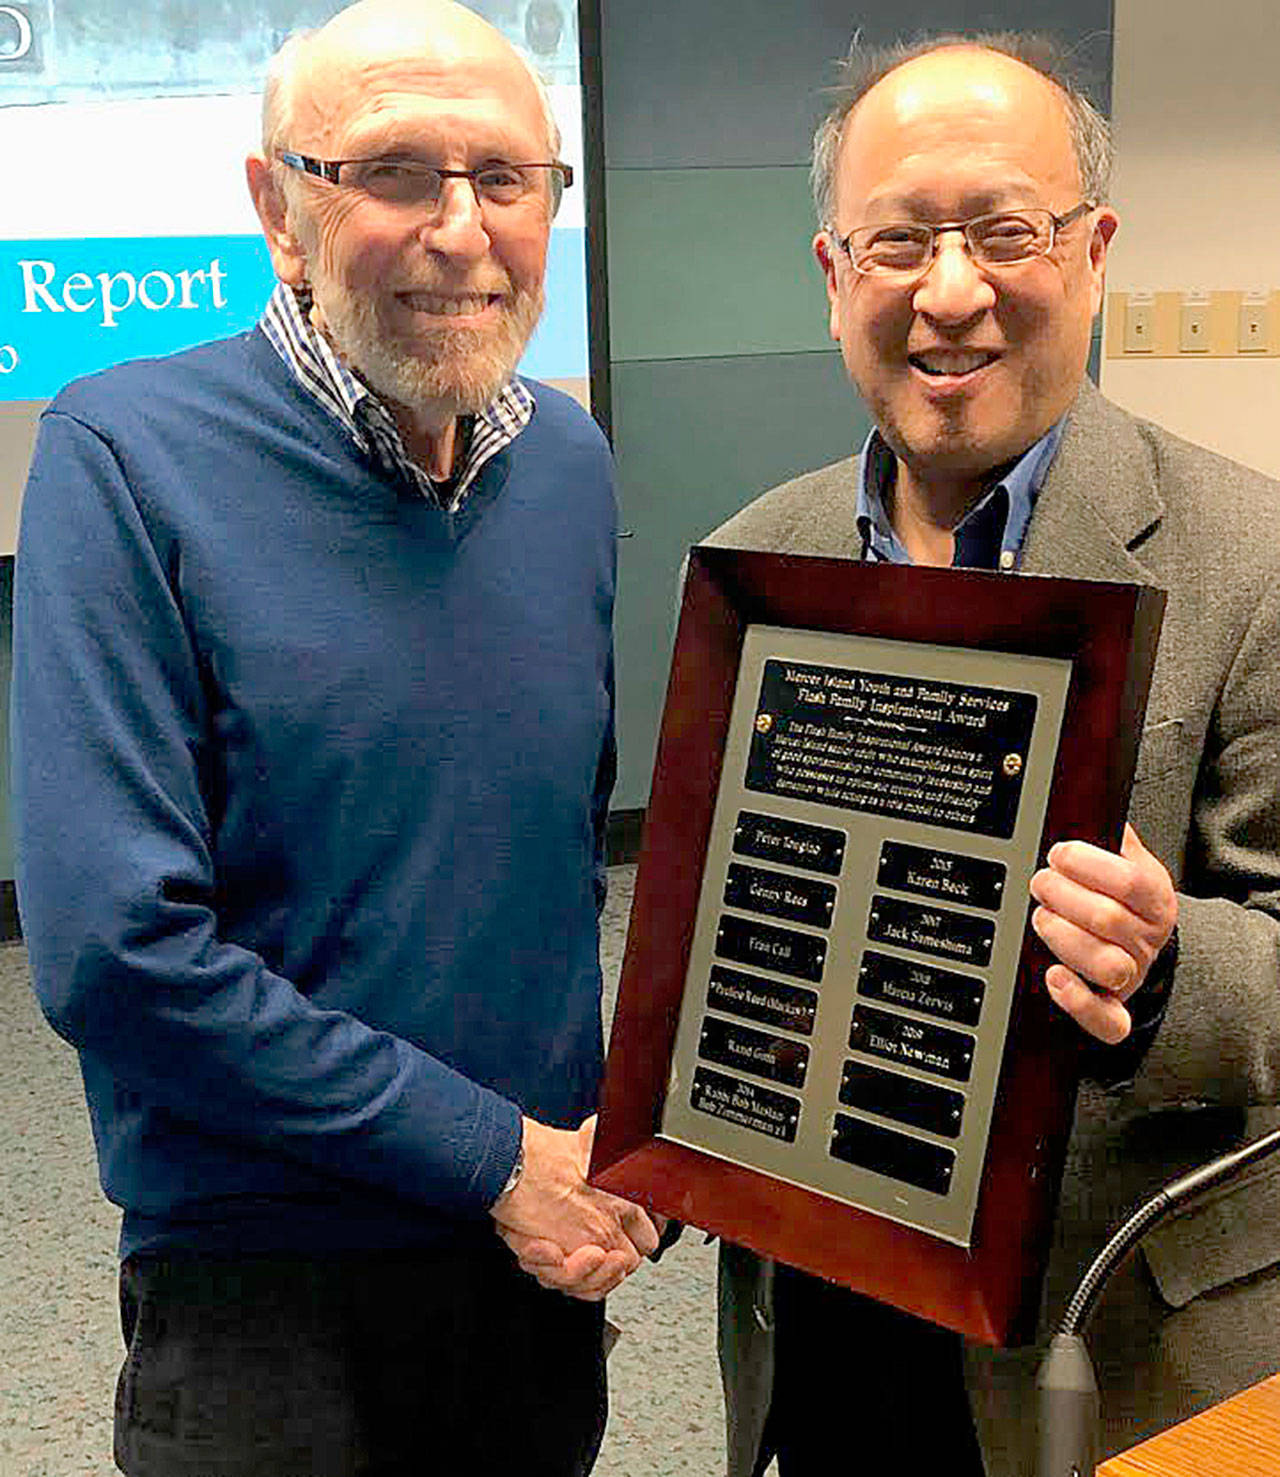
{"x": 861, "y": 917}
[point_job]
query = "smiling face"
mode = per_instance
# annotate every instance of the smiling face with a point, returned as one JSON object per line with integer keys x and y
{"x": 966, "y": 367}
{"x": 431, "y": 305}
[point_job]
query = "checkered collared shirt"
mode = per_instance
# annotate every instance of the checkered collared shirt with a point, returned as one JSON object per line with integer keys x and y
{"x": 322, "y": 374}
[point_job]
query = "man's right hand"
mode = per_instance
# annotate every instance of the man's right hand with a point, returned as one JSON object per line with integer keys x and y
{"x": 570, "y": 1236}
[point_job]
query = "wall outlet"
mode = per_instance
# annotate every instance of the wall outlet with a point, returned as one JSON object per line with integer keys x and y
{"x": 1193, "y": 324}
{"x": 1253, "y": 335}
{"x": 1140, "y": 323}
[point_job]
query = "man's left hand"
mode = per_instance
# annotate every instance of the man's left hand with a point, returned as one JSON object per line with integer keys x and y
{"x": 1105, "y": 916}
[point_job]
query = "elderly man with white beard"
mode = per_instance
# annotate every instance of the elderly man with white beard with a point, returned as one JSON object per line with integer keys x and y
{"x": 313, "y": 747}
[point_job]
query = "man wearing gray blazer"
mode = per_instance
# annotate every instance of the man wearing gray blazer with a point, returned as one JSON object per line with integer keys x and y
{"x": 961, "y": 190}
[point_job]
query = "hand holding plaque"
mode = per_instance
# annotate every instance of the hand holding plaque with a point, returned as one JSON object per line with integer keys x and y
{"x": 1108, "y": 916}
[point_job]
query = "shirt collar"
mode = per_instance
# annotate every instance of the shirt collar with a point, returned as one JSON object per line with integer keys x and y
{"x": 1017, "y": 489}
{"x": 366, "y": 417}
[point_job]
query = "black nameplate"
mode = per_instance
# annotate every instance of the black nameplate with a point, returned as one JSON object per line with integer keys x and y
{"x": 904, "y": 1099}
{"x": 922, "y": 987}
{"x": 930, "y": 930}
{"x": 793, "y": 843}
{"x": 912, "y": 1043}
{"x": 944, "y": 753}
{"x": 780, "y": 949}
{"x": 801, "y": 899}
{"x": 746, "y": 1103}
{"x": 970, "y": 880}
{"x": 754, "y": 1051}
{"x": 912, "y": 1161}
{"x": 769, "y": 1002}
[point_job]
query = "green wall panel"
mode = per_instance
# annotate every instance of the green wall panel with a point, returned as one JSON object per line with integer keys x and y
{"x": 696, "y": 440}
{"x": 718, "y": 82}
{"x": 709, "y": 262}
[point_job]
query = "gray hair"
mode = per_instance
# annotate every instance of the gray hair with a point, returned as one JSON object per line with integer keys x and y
{"x": 282, "y": 72}
{"x": 277, "y": 112}
{"x": 864, "y": 67}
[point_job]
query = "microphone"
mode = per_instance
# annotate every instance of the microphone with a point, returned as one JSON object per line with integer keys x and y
{"x": 1066, "y": 1387}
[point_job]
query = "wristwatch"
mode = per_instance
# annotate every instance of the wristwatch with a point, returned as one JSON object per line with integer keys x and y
{"x": 513, "y": 1179}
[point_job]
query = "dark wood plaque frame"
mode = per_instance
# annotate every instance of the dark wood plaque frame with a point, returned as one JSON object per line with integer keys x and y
{"x": 1108, "y": 631}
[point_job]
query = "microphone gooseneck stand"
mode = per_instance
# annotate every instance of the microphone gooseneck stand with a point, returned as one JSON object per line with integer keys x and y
{"x": 1066, "y": 1388}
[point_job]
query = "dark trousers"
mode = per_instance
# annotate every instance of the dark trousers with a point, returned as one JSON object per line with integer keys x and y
{"x": 860, "y": 1388}
{"x": 395, "y": 1365}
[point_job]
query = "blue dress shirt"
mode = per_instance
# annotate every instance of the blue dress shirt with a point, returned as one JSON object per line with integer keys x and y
{"x": 990, "y": 534}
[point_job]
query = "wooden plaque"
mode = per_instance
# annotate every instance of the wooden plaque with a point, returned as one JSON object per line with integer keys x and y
{"x": 831, "y": 1043}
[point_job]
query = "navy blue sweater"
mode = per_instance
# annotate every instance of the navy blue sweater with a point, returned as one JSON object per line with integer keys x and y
{"x": 310, "y": 778}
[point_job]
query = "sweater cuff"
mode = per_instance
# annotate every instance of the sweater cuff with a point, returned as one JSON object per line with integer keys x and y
{"x": 501, "y": 1154}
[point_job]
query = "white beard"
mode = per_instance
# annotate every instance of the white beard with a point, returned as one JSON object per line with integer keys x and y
{"x": 455, "y": 370}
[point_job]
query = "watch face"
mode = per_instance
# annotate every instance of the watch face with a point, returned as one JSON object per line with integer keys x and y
{"x": 513, "y": 1179}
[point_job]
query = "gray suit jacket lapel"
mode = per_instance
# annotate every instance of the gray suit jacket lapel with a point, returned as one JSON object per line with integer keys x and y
{"x": 1099, "y": 501}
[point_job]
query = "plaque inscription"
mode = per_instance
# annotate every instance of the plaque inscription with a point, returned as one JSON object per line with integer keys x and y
{"x": 944, "y": 753}
{"x": 898, "y": 1038}
{"x": 801, "y": 899}
{"x": 945, "y": 875}
{"x": 770, "y": 838}
{"x": 749, "y": 1050}
{"x": 922, "y": 987}
{"x": 780, "y": 949}
{"x": 861, "y": 914}
{"x": 746, "y": 1103}
{"x": 769, "y": 1002}
{"x": 931, "y": 930}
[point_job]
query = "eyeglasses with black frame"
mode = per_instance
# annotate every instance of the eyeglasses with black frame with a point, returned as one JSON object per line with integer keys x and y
{"x": 905, "y": 249}
{"x": 411, "y": 182}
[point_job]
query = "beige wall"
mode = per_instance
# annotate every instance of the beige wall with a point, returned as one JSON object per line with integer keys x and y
{"x": 1196, "y": 108}
{"x": 17, "y": 437}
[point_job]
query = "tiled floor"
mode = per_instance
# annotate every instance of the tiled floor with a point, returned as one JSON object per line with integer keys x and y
{"x": 59, "y": 1340}
{"x": 58, "y": 1337}
{"x": 667, "y": 1415}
